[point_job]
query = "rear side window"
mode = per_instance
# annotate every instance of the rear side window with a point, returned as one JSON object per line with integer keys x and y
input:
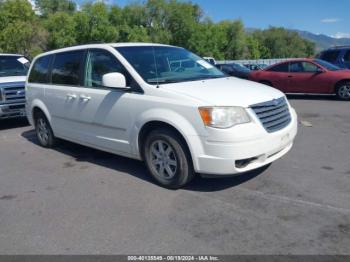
{"x": 330, "y": 56}
{"x": 66, "y": 68}
{"x": 280, "y": 68}
{"x": 40, "y": 70}
{"x": 347, "y": 56}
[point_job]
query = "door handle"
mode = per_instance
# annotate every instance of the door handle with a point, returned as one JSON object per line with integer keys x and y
{"x": 290, "y": 76}
{"x": 71, "y": 96}
{"x": 85, "y": 98}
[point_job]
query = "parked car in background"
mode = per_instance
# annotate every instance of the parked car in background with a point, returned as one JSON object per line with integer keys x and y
{"x": 210, "y": 60}
{"x": 235, "y": 70}
{"x": 13, "y": 71}
{"x": 127, "y": 99}
{"x": 255, "y": 67}
{"x": 307, "y": 76}
{"x": 339, "y": 56}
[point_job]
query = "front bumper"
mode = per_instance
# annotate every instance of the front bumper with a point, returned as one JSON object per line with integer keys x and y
{"x": 252, "y": 148}
{"x": 12, "y": 110}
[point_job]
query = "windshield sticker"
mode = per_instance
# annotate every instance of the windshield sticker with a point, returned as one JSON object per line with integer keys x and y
{"x": 23, "y": 60}
{"x": 204, "y": 64}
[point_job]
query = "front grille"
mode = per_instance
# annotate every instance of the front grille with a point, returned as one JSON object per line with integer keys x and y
{"x": 16, "y": 107}
{"x": 274, "y": 115}
{"x": 12, "y": 92}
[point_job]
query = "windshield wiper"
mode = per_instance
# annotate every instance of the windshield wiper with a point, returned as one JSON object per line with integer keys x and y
{"x": 162, "y": 81}
{"x": 197, "y": 78}
{"x": 204, "y": 77}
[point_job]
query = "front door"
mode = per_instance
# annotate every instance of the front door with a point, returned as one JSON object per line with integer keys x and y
{"x": 306, "y": 77}
{"x": 100, "y": 114}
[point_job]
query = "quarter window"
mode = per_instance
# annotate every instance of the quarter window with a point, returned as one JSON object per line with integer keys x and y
{"x": 39, "y": 73}
{"x": 66, "y": 68}
{"x": 98, "y": 63}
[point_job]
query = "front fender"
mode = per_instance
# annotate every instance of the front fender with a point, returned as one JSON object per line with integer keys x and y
{"x": 174, "y": 119}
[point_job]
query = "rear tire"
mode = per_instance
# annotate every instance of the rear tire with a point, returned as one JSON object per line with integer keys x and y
{"x": 167, "y": 158}
{"x": 44, "y": 131}
{"x": 343, "y": 91}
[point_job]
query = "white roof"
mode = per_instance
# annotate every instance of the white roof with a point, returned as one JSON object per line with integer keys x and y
{"x": 78, "y": 47}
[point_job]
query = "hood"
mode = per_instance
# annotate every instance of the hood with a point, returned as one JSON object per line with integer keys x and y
{"x": 11, "y": 79}
{"x": 228, "y": 91}
{"x": 342, "y": 73}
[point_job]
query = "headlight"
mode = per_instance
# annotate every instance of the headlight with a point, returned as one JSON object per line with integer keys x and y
{"x": 223, "y": 117}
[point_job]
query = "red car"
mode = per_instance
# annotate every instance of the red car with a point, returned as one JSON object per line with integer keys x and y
{"x": 306, "y": 76}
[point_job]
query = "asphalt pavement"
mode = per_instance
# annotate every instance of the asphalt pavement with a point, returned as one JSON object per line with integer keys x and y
{"x": 77, "y": 200}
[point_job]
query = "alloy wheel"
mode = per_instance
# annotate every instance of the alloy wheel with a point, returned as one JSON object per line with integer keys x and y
{"x": 43, "y": 131}
{"x": 344, "y": 91}
{"x": 163, "y": 159}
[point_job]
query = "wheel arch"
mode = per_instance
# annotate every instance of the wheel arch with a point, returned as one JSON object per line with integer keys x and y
{"x": 38, "y": 106}
{"x": 173, "y": 121}
{"x": 337, "y": 84}
{"x": 148, "y": 127}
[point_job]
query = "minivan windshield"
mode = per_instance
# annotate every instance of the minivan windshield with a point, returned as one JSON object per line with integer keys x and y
{"x": 166, "y": 64}
{"x": 13, "y": 66}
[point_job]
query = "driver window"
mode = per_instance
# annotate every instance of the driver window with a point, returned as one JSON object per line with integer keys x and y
{"x": 98, "y": 63}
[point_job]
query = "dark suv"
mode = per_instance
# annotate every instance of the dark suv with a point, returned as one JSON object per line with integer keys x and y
{"x": 339, "y": 56}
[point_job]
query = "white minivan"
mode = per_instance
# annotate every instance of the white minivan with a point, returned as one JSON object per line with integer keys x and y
{"x": 130, "y": 99}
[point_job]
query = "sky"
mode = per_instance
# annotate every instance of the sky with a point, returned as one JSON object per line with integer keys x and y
{"x": 329, "y": 17}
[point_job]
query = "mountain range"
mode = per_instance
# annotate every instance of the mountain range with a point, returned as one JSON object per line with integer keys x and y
{"x": 323, "y": 41}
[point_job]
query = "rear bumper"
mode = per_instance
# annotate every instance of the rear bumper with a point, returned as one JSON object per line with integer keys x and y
{"x": 223, "y": 158}
{"x": 12, "y": 110}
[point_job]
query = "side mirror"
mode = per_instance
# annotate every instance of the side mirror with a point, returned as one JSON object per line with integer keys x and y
{"x": 319, "y": 70}
{"x": 114, "y": 80}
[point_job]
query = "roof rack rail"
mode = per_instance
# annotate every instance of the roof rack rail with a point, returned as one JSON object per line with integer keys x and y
{"x": 87, "y": 43}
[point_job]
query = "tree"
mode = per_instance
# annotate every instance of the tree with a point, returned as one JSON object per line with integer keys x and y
{"x": 181, "y": 20}
{"x": 235, "y": 46}
{"x": 92, "y": 24}
{"x": 58, "y": 24}
{"x": 47, "y": 7}
{"x": 208, "y": 39}
{"x": 282, "y": 43}
{"x": 20, "y": 29}
{"x": 62, "y": 30}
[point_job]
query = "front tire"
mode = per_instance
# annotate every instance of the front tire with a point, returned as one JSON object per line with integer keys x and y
{"x": 343, "y": 91}
{"x": 167, "y": 158}
{"x": 44, "y": 131}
